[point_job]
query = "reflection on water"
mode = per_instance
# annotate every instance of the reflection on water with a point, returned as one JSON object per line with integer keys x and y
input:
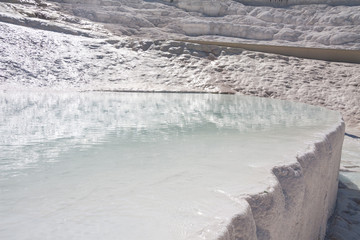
{"x": 104, "y": 165}
{"x": 38, "y": 126}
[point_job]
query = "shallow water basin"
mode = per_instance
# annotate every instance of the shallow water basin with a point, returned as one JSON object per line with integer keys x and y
{"x": 141, "y": 165}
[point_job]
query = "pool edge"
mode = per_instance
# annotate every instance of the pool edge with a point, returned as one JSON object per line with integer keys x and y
{"x": 300, "y": 199}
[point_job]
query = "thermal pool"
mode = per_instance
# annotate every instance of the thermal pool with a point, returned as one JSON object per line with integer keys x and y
{"x": 160, "y": 166}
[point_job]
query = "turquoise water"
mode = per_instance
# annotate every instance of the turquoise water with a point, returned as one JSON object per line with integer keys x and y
{"x": 140, "y": 165}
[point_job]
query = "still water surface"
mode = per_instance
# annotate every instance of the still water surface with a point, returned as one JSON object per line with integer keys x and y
{"x": 140, "y": 165}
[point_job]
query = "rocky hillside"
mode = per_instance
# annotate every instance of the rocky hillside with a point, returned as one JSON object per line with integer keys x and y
{"x": 316, "y": 25}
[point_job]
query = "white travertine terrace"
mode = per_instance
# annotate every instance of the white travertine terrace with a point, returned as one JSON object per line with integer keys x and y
{"x": 313, "y": 23}
{"x": 165, "y": 166}
{"x": 301, "y": 201}
{"x": 75, "y": 54}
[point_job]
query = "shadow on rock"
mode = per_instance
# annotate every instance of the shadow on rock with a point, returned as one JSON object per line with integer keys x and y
{"x": 352, "y": 136}
{"x": 345, "y": 222}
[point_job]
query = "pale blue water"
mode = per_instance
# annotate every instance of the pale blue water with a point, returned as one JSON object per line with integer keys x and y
{"x": 350, "y": 160}
{"x": 140, "y": 166}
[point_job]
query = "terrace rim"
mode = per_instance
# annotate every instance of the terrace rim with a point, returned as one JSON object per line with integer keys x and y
{"x": 325, "y": 54}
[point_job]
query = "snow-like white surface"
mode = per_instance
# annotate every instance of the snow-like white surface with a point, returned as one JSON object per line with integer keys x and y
{"x": 333, "y": 24}
{"x": 142, "y": 166}
{"x": 326, "y": 24}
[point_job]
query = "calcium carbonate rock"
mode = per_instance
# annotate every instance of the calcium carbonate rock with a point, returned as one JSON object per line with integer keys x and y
{"x": 324, "y": 23}
{"x": 207, "y": 7}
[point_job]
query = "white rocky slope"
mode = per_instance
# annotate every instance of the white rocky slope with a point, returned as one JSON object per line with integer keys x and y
{"x": 315, "y": 25}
